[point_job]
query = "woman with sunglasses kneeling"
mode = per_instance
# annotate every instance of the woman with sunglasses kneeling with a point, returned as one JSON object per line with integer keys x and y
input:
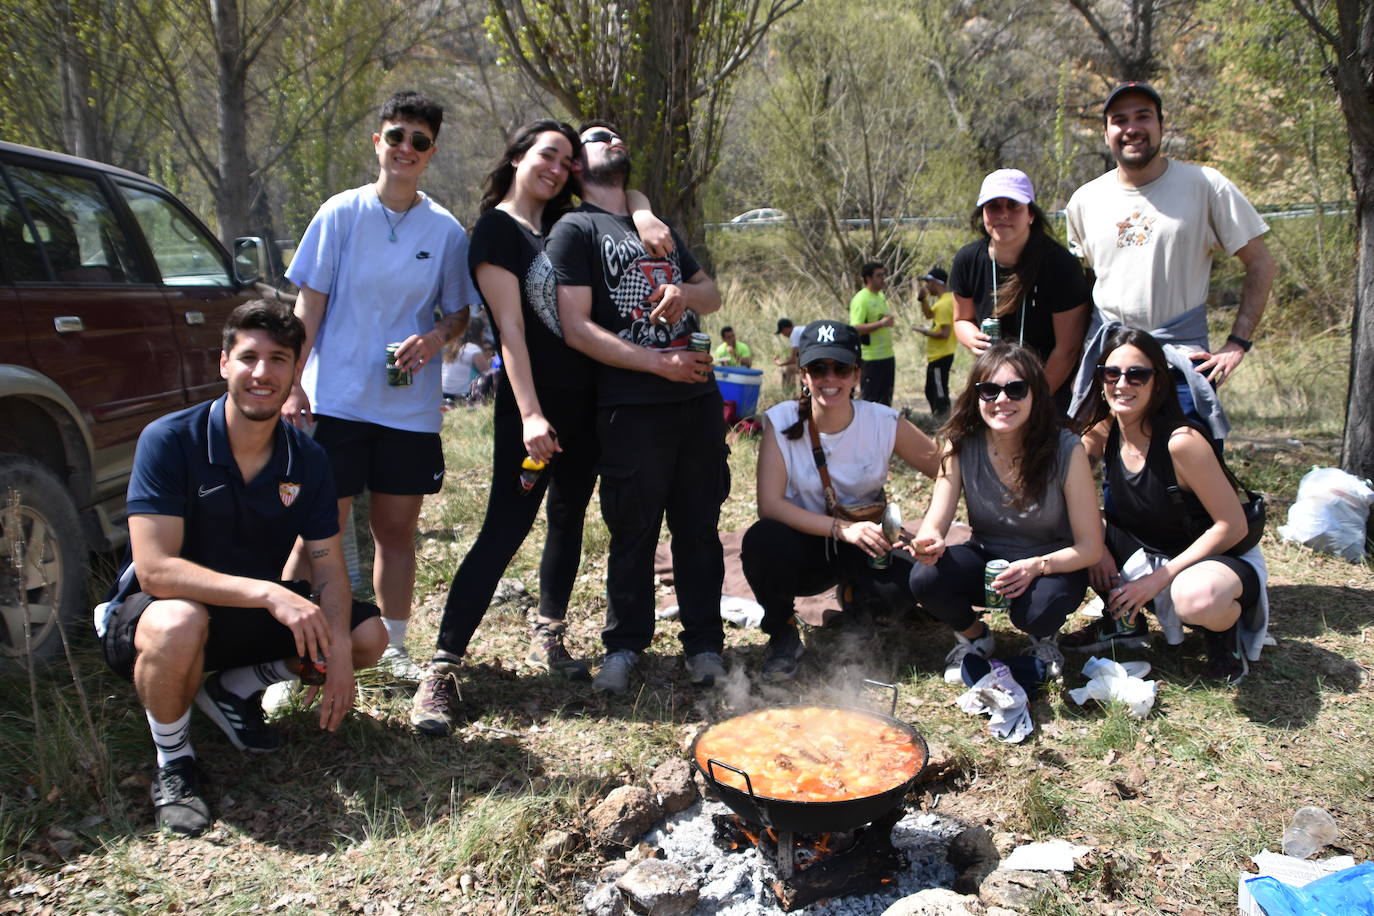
{"x": 1030, "y": 501}
{"x": 1177, "y": 534}
{"x": 817, "y": 456}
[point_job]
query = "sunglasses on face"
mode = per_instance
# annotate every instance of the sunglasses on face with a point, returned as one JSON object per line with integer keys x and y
{"x": 822, "y": 368}
{"x": 1135, "y": 375}
{"x": 419, "y": 140}
{"x": 600, "y": 135}
{"x": 1015, "y": 390}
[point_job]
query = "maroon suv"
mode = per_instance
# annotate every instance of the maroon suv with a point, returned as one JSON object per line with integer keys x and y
{"x": 112, "y": 300}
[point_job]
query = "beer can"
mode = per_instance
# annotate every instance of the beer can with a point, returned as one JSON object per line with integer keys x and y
{"x": 992, "y": 327}
{"x": 992, "y": 597}
{"x": 396, "y": 377}
{"x": 701, "y": 343}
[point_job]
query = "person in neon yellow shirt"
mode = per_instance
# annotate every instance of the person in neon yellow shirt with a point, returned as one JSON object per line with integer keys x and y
{"x": 869, "y": 316}
{"x": 732, "y": 352}
{"x": 941, "y": 344}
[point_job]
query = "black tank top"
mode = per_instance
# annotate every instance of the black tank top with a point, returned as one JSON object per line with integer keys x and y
{"x": 1148, "y": 505}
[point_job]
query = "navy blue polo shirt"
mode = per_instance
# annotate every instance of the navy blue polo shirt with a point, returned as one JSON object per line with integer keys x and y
{"x": 183, "y": 467}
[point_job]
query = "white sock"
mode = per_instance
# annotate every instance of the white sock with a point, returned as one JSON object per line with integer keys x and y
{"x": 171, "y": 740}
{"x": 248, "y": 680}
{"x": 395, "y": 631}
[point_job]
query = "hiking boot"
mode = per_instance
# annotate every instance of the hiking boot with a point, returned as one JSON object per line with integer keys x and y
{"x": 177, "y": 802}
{"x": 547, "y": 653}
{"x": 705, "y": 668}
{"x": 1109, "y": 632}
{"x": 396, "y": 661}
{"x": 614, "y": 676}
{"x": 1225, "y": 658}
{"x": 780, "y": 659}
{"x": 1046, "y": 649}
{"x": 240, "y": 719}
{"x": 954, "y": 661}
{"x": 434, "y": 711}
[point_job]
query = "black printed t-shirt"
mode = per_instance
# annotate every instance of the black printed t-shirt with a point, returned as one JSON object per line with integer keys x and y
{"x": 1060, "y": 287}
{"x": 591, "y": 247}
{"x": 501, "y": 240}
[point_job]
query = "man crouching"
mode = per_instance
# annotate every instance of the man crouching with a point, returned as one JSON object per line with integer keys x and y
{"x": 218, "y": 495}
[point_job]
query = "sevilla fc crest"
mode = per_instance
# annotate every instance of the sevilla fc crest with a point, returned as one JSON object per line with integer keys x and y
{"x": 288, "y": 492}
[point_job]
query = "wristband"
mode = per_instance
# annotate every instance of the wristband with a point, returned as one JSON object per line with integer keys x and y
{"x": 1240, "y": 342}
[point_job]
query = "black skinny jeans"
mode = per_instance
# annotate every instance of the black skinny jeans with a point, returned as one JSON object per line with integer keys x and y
{"x": 569, "y": 480}
{"x": 782, "y": 563}
{"x": 950, "y": 589}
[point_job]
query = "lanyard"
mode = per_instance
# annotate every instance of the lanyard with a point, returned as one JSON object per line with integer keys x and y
{"x": 1020, "y": 308}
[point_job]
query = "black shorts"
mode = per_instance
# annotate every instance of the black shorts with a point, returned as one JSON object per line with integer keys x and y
{"x": 367, "y": 456}
{"x": 238, "y": 636}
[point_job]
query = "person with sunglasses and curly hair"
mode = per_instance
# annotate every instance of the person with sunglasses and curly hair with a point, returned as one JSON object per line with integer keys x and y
{"x": 1030, "y": 499}
{"x": 800, "y": 545}
{"x": 1177, "y": 533}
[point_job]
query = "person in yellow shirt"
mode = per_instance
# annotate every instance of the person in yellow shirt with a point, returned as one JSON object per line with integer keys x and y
{"x": 937, "y": 304}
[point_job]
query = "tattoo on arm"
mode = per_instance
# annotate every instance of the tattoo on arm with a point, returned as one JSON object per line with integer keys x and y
{"x": 319, "y": 554}
{"x": 452, "y": 325}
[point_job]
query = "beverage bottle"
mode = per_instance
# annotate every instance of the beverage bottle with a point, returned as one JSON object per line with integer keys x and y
{"x": 530, "y": 469}
{"x": 1312, "y": 828}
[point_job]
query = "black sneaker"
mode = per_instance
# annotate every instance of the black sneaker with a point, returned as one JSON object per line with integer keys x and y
{"x": 1225, "y": 657}
{"x": 240, "y": 719}
{"x": 177, "y": 802}
{"x": 780, "y": 659}
{"x": 1108, "y": 632}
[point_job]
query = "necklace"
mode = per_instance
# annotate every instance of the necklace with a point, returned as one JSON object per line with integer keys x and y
{"x": 386, "y": 215}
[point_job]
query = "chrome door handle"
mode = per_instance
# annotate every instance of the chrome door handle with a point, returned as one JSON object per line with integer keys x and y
{"x": 195, "y": 318}
{"x": 68, "y": 324}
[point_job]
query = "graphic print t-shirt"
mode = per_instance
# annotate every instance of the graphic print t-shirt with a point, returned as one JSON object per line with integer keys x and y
{"x": 501, "y": 240}
{"x": 593, "y": 248}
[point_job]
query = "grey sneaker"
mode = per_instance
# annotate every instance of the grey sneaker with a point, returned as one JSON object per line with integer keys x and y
{"x": 780, "y": 660}
{"x": 547, "y": 653}
{"x": 614, "y": 676}
{"x": 705, "y": 668}
{"x": 397, "y": 662}
{"x": 436, "y": 705}
{"x": 178, "y": 803}
{"x": 954, "y": 661}
{"x": 1047, "y": 650}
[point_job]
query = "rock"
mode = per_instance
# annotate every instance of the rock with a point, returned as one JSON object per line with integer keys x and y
{"x": 642, "y": 851}
{"x": 556, "y": 843}
{"x": 974, "y": 855}
{"x": 934, "y": 901}
{"x": 612, "y": 871}
{"x": 510, "y": 591}
{"x": 624, "y": 816}
{"x": 1018, "y": 890}
{"x": 658, "y": 888}
{"x": 604, "y": 900}
{"x": 672, "y": 783}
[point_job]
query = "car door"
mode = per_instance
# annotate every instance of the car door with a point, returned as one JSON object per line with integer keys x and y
{"x": 95, "y": 320}
{"x": 197, "y": 278}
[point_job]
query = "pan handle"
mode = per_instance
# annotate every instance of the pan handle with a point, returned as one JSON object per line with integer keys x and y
{"x": 748, "y": 784}
{"x": 883, "y": 686}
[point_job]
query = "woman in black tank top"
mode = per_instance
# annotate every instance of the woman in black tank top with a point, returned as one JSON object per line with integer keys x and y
{"x": 1157, "y": 467}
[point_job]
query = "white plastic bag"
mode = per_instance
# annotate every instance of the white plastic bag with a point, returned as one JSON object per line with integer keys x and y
{"x": 1330, "y": 513}
{"x": 1109, "y": 680}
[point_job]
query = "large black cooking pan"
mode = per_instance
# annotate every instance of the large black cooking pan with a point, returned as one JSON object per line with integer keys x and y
{"x": 788, "y": 816}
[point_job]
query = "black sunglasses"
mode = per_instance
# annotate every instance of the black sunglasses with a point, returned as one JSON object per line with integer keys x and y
{"x": 1135, "y": 375}
{"x": 419, "y": 140}
{"x": 823, "y": 367}
{"x": 600, "y": 135}
{"x": 1015, "y": 390}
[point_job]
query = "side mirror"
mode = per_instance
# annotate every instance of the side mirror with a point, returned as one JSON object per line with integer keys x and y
{"x": 251, "y": 260}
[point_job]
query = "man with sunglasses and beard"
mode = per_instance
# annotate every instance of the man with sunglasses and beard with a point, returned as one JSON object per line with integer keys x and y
{"x": 374, "y": 267}
{"x": 659, "y": 413}
{"x": 1148, "y": 230}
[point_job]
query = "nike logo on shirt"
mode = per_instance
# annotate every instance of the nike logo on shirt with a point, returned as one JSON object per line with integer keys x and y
{"x": 206, "y": 491}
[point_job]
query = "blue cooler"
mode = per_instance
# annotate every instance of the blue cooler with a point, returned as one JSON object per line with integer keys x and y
{"x": 740, "y": 385}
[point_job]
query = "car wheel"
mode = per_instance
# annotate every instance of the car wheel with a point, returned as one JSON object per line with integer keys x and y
{"x": 43, "y": 575}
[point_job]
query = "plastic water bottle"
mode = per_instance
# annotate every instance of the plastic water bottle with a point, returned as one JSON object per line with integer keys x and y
{"x": 1312, "y": 828}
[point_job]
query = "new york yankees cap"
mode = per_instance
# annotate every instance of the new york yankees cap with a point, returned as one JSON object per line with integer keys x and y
{"x": 829, "y": 339}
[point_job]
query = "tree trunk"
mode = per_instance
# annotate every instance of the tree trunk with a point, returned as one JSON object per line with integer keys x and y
{"x": 234, "y": 190}
{"x": 1357, "y": 449}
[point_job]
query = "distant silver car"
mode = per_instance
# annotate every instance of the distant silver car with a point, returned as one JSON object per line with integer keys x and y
{"x": 760, "y": 215}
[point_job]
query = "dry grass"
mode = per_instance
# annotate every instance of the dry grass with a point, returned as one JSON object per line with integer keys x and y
{"x": 375, "y": 819}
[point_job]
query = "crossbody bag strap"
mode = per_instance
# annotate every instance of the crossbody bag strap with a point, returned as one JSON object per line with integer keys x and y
{"x": 818, "y": 456}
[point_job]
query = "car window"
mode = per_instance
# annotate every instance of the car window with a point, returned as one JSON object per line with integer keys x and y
{"x": 184, "y": 254}
{"x": 72, "y": 224}
{"x": 18, "y": 253}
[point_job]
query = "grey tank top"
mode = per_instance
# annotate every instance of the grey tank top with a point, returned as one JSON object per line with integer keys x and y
{"x": 1001, "y": 527}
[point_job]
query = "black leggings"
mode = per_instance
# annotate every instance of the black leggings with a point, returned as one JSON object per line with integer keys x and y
{"x": 782, "y": 563}
{"x": 569, "y": 480}
{"x": 950, "y": 589}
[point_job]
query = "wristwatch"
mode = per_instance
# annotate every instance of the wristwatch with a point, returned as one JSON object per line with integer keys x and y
{"x": 1240, "y": 342}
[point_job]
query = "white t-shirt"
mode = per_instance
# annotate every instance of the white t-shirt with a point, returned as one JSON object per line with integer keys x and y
{"x": 380, "y": 292}
{"x": 856, "y": 456}
{"x": 459, "y": 372}
{"x": 1151, "y": 247}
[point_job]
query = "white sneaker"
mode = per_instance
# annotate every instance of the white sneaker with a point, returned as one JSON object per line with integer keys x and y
{"x": 397, "y": 662}
{"x": 954, "y": 661}
{"x": 1047, "y": 650}
{"x": 280, "y": 697}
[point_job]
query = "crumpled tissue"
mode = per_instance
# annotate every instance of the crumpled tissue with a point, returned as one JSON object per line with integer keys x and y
{"x": 1000, "y": 697}
{"x": 1108, "y": 680}
{"x": 1053, "y": 855}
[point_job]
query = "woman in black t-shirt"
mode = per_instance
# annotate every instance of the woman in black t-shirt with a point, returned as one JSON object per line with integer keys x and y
{"x": 1020, "y": 275}
{"x": 545, "y": 411}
